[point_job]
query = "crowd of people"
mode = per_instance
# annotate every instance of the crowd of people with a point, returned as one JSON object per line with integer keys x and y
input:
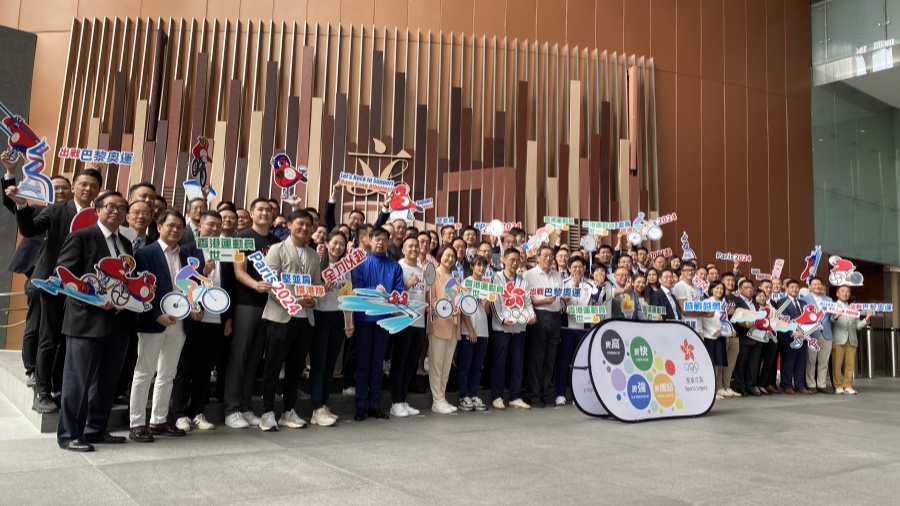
{"x": 81, "y": 358}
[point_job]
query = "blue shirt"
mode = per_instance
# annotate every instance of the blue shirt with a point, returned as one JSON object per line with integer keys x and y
{"x": 377, "y": 270}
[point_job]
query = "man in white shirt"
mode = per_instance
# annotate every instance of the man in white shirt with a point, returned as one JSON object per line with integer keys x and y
{"x": 685, "y": 291}
{"x": 542, "y": 339}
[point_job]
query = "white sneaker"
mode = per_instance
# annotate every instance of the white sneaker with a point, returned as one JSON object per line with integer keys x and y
{"x": 442, "y": 408}
{"x": 849, "y": 391}
{"x": 838, "y": 391}
{"x": 560, "y": 400}
{"x": 329, "y": 413}
{"x": 719, "y": 397}
{"x": 479, "y": 405}
{"x": 349, "y": 392}
{"x": 498, "y": 404}
{"x": 453, "y": 409}
{"x": 399, "y": 410}
{"x": 519, "y": 404}
{"x": 731, "y": 393}
{"x": 267, "y": 422}
{"x": 411, "y": 410}
{"x": 722, "y": 393}
{"x": 320, "y": 417}
{"x": 291, "y": 420}
{"x": 236, "y": 421}
{"x": 466, "y": 404}
{"x": 251, "y": 418}
{"x": 202, "y": 423}
{"x": 183, "y": 423}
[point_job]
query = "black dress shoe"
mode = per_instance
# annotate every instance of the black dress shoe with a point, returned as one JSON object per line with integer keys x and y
{"x": 360, "y": 415}
{"x": 140, "y": 434}
{"x": 78, "y": 445}
{"x": 166, "y": 429}
{"x": 377, "y": 414}
{"x": 755, "y": 393}
{"x": 104, "y": 439}
{"x": 43, "y": 403}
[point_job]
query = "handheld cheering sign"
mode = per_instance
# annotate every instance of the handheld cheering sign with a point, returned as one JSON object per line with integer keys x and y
{"x": 287, "y": 176}
{"x": 24, "y": 143}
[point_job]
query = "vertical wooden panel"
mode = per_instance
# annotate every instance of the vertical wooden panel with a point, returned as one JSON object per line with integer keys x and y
{"x": 735, "y": 28}
{"x": 594, "y": 180}
{"x": 758, "y": 175}
{"x": 574, "y": 149}
{"x": 689, "y": 157}
{"x": 521, "y": 131}
{"x": 267, "y": 130}
{"x": 775, "y": 47}
{"x": 800, "y": 175}
{"x": 159, "y": 157}
{"x": 421, "y": 151}
{"x": 713, "y": 175}
{"x": 217, "y": 171}
{"x": 327, "y": 157}
{"x": 253, "y": 182}
{"x": 606, "y": 193}
{"x": 232, "y": 139}
{"x": 318, "y": 186}
{"x": 117, "y": 127}
{"x": 465, "y": 161}
{"x": 137, "y": 173}
{"x": 712, "y": 51}
{"x": 737, "y": 212}
{"x": 431, "y": 174}
{"x": 291, "y": 134}
{"x": 689, "y": 33}
{"x": 778, "y": 179}
{"x": 531, "y": 196}
{"x": 306, "y": 91}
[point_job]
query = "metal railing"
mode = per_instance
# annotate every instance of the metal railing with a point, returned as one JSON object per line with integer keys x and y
{"x": 878, "y": 352}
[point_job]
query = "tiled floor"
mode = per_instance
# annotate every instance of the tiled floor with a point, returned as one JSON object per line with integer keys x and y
{"x": 772, "y": 450}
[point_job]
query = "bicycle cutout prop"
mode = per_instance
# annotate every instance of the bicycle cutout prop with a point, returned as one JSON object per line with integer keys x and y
{"x": 195, "y": 294}
{"x": 843, "y": 272}
{"x": 111, "y": 281}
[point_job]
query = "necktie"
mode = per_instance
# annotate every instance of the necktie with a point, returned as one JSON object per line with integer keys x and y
{"x": 137, "y": 244}
{"x": 115, "y": 245}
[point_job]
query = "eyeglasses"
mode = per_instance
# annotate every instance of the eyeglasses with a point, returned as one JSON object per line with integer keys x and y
{"x": 143, "y": 214}
{"x": 111, "y": 208}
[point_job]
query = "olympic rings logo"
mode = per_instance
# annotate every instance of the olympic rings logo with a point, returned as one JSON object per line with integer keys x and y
{"x": 693, "y": 367}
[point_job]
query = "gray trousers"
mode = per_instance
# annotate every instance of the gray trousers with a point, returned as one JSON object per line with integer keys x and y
{"x": 247, "y": 345}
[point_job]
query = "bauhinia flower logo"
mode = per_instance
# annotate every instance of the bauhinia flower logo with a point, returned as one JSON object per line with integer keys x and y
{"x": 513, "y": 296}
{"x": 688, "y": 350}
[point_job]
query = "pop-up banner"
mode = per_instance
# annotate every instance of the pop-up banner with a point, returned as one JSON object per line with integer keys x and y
{"x": 636, "y": 370}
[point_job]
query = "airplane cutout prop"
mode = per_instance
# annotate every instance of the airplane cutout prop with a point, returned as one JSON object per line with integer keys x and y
{"x": 843, "y": 272}
{"x": 111, "y": 281}
{"x": 376, "y": 303}
{"x": 26, "y": 145}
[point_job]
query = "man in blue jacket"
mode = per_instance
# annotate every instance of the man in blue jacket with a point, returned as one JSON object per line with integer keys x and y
{"x": 817, "y": 375}
{"x": 385, "y": 275}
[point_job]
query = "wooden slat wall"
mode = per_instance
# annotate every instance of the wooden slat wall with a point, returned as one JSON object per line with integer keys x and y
{"x": 459, "y": 105}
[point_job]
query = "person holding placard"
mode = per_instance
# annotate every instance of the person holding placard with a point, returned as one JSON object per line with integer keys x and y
{"x": 408, "y": 342}
{"x": 714, "y": 340}
{"x": 624, "y": 301}
{"x": 288, "y": 335}
{"x": 473, "y": 346}
{"x": 249, "y": 337}
{"x": 542, "y": 339}
{"x": 844, "y": 329}
{"x": 746, "y": 368}
{"x": 793, "y": 362}
{"x": 602, "y": 290}
{"x": 572, "y": 332}
{"x": 377, "y": 272}
{"x": 511, "y": 314}
{"x": 817, "y": 375}
{"x": 445, "y": 332}
{"x": 329, "y": 334}
{"x": 685, "y": 291}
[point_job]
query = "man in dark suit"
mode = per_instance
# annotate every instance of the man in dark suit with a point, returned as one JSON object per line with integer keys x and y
{"x": 793, "y": 361}
{"x": 96, "y": 336}
{"x": 664, "y": 298}
{"x": 200, "y": 352}
{"x": 23, "y": 261}
{"x": 55, "y": 221}
{"x": 746, "y": 369}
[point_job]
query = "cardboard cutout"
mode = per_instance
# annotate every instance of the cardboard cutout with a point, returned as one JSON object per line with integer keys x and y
{"x": 194, "y": 187}
{"x": 25, "y": 143}
{"x": 97, "y": 155}
{"x": 225, "y": 249}
{"x": 688, "y": 253}
{"x": 587, "y": 314}
{"x": 111, "y": 281}
{"x": 643, "y": 230}
{"x": 514, "y": 304}
{"x": 195, "y": 293}
{"x": 843, "y": 272}
{"x": 282, "y": 293}
{"x": 287, "y": 176}
{"x": 375, "y": 303}
{"x": 401, "y": 205}
{"x": 812, "y": 264}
